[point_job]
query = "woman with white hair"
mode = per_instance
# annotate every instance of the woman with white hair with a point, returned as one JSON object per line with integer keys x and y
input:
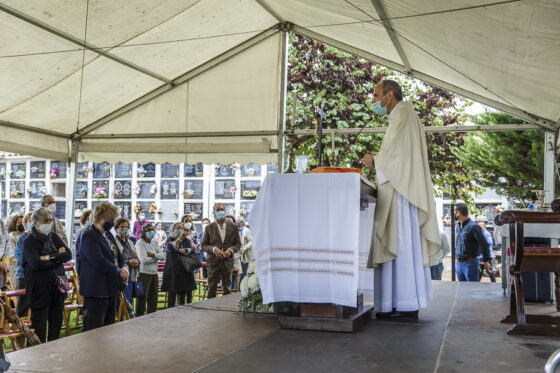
{"x": 44, "y": 254}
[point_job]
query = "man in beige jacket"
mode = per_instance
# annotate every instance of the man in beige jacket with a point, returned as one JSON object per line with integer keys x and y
{"x": 406, "y": 236}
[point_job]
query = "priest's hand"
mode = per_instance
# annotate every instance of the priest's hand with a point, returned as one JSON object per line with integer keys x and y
{"x": 367, "y": 160}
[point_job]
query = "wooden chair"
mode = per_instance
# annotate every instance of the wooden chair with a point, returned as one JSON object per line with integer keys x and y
{"x": 74, "y": 302}
{"x": 9, "y": 331}
{"x": 529, "y": 259}
{"x": 122, "y": 312}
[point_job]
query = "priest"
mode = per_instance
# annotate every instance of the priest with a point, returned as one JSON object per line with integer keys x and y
{"x": 406, "y": 239}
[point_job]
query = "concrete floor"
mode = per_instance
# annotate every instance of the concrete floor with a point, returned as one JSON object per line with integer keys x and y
{"x": 458, "y": 332}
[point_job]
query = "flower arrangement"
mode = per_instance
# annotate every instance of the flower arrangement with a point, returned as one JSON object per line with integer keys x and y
{"x": 99, "y": 193}
{"x": 250, "y": 193}
{"x": 77, "y": 213}
{"x": 243, "y": 212}
{"x": 153, "y": 189}
{"x": 2, "y": 172}
{"x": 117, "y": 192}
{"x": 137, "y": 208}
{"x": 188, "y": 193}
{"x": 15, "y": 194}
{"x": 498, "y": 209}
{"x": 233, "y": 166}
{"x": 153, "y": 207}
{"x": 141, "y": 171}
{"x": 20, "y": 174}
{"x": 176, "y": 212}
{"x": 53, "y": 172}
{"x": 85, "y": 170}
{"x": 28, "y": 189}
{"x": 136, "y": 189}
{"x": 84, "y": 191}
{"x": 250, "y": 172}
{"x": 232, "y": 189}
{"x": 43, "y": 190}
{"x": 251, "y": 300}
{"x": 447, "y": 220}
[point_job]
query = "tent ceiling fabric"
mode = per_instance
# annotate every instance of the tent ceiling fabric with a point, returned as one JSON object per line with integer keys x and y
{"x": 505, "y": 55}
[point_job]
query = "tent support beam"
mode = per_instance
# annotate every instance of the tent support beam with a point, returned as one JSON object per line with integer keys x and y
{"x": 549, "y": 166}
{"x": 81, "y": 43}
{"x": 24, "y": 127}
{"x": 283, "y": 87}
{"x": 180, "y": 80}
{"x": 271, "y": 11}
{"x": 434, "y": 129}
{"x": 179, "y": 134}
{"x": 544, "y": 123}
{"x": 71, "y": 191}
{"x": 389, "y": 28}
{"x": 202, "y": 148}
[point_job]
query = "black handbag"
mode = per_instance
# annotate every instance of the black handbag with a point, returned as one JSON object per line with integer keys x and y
{"x": 191, "y": 261}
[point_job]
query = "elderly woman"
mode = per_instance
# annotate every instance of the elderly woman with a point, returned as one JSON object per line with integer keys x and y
{"x": 15, "y": 229}
{"x": 149, "y": 253}
{"x": 176, "y": 280}
{"x": 99, "y": 268}
{"x": 44, "y": 254}
{"x": 22, "y": 305}
{"x": 125, "y": 244}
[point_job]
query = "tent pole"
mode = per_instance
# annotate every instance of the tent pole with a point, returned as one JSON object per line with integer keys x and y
{"x": 71, "y": 193}
{"x": 549, "y": 166}
{"x": 283, "y": 94}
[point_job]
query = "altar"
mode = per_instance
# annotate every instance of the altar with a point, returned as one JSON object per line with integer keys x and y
{"x": 311, "y": 241}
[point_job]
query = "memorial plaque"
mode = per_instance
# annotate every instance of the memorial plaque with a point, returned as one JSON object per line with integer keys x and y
{"x": 34, "y": 205}
{"x": 250, "y": 189}
{"x": 230, "y": 209}
{"x": 194, "y": 170}
{"x": 60, "y": 168}
{"x": 251, "y": 170}
{"x": 81, "y": 190}
{"x": 146, "y": 189}
{"x": 125, "y": 209}
{"x": 37, "y": 170}
{"x": 271, "y": 168}
{"x": 245, "y": 209}
{"x": 123, "y": 170}
{"x": 193, "y": 189}
{"x": 83, "y": 170}
{"x": 3, "y": 173}
{"x": 60, "y": 212}
{"x": 37, "y": 189}
{"x": 169, "y": 171}
{"x": 146, "y": 170}
{"x": 101, "y": 170}
{"x": 79, "y": 208}
{"x": 16, "y": 208}
{"x": 225, "y": 189}
{"x": 167, "y": 213}
{"x": 18, "y": 171}
{"x": 169, "y": 189}
{"x": 17, "y": 189}
{"x": 194, "y": 207}
{"x": 224, "y": 170}
{"x": 100, "y": 189}
{"x": 122, "y": 189}
{"x": 146, "y": 208}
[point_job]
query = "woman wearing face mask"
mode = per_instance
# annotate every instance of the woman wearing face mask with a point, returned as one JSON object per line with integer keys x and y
{"x": 139, "y": 224}
{"x": 176, "y": 280}
{"x": 15, "y": 229}
{"x": 126, "y": 247}
{"x": 22, "y": 305}
{"x": 149, "y": 253}
{"x": 99, "y": 268}
{"x": 44, "y": 254}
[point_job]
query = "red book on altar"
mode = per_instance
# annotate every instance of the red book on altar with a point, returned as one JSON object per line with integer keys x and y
{"x": 326, "y": 169}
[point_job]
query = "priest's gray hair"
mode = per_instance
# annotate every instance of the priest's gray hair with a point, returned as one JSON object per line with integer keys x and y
{"x": 391, "y": 85}
{"x": 40, "y": 214}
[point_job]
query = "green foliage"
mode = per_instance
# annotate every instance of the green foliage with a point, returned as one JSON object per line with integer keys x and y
{"x": 344, "y": 84}
{"x": 510, "y": 162}
{"x": 252, "y": 303}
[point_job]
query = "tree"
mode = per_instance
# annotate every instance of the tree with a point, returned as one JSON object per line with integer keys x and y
{"x": 344, "y": 84}
{"x": 510, "y": 162}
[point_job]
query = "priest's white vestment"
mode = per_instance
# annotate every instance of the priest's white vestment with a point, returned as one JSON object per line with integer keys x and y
{"x": 406, "y": 236}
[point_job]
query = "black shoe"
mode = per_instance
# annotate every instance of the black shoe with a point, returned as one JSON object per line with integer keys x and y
{"x": 398, "y": 315}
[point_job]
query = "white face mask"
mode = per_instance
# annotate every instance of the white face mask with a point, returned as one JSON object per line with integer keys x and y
{"x": 52, "y": 207}
{"x": 187, "y": 225}
{"x": 45, "y": 228}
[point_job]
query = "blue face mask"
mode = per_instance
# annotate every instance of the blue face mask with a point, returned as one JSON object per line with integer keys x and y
{"x": 220, "y": 215}
{"x": 378, "y": 108}
{"x": 151, "y": 235}
{"x": 88, "y": 223}
{"x": 30, "y": 226}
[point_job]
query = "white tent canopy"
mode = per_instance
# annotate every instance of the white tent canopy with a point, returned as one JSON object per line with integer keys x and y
{"x": 204, "y": 80}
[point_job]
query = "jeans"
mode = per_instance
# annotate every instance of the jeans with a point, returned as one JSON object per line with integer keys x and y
{"x": 436, "y": 271}
{"x": 468, "y": 271}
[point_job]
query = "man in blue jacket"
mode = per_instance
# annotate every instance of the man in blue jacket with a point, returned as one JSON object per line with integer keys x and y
{"x": 469, "y": 238}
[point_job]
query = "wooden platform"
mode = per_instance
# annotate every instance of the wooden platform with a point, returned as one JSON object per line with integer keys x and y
{"x": 459, "y": 332}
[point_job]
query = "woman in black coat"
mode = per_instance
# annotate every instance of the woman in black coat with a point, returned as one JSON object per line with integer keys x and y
{"x": 176, "y": 280}
{"x": 44, "y": 254}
